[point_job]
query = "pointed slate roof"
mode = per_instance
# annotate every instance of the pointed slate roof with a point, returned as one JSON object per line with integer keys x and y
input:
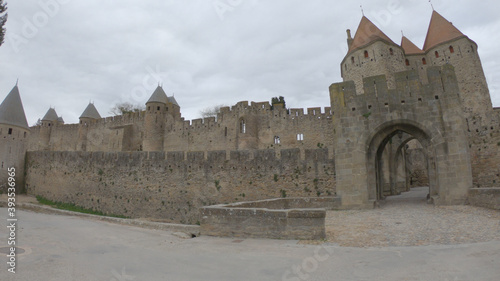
{"x": 367, "y": 33}
{"x": 12, "y": 110}
{"x": 60, "y": 120}
{"x": 440, "y": 31}
{"x": 158, "y": 96}
{"x": 51, "y": 115}
{"x": 410, "y": 48}
{"x": 91, "y": 112}
{"x": 172, "y": 100}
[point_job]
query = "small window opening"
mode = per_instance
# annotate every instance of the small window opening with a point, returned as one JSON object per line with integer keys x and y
{"x": 436, "y": 97}
{"x": 352, "y": 60}
{"x": 424, "y": 61}
{"x": 437, "y": 54}
{"x": 277, "y": 140}
{"x": 452, "y": 50}
{"x": 243, "y": 127}
{"x": 391, "y": 51}
{"x": 300, "y": 137}
{"x": 407, "y": 62}
{"x": 10, "y": 131}
{"x": 366, "y": 54}
{"x": 158, "y": 108}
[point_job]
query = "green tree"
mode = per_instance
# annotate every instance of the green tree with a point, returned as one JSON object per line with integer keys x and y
{"x": 3, "y": 20}
{"x": 280, "y": 100}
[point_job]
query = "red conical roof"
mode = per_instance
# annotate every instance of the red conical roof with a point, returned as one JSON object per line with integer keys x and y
{"x": 367, "y": 33}
{"x": 409, "y": 47}
{"x": 440, "y": 31}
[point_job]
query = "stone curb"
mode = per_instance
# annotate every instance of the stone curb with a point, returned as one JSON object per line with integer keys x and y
{"x": 192, "y": 230}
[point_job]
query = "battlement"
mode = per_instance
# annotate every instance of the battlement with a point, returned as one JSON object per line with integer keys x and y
{"x": 243, "y": 109}
{"x": 409, "y": 91}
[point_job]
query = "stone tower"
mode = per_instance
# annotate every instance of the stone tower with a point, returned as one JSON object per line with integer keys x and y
{"x": 371, "y": 52}
{"x": 14, "y": 132}
{"x": 446, "y": 44}
{"x": 89, "y": 116}
{"x": 160, "y": 111}
{"x": 424, "y": 94}
{"x": 49, "y": 121}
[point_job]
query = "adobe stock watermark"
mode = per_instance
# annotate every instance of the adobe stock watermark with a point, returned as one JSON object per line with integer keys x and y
{"x": 303, "y": 271}
{"x": 121, "y": 276}
{"x": 223, "y": 7}
{"x": 11, "y": 220}
{"x": 381, "y": 18}
{"x": 32, "y": 25}
{"x": 149, "y": 82}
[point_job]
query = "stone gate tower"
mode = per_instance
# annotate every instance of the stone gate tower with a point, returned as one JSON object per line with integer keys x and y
{"x": 391, "y": 90}
{"x": 14, "y": 132}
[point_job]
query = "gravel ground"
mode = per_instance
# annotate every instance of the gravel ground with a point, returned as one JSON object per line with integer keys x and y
{"x": 407, "y": 220}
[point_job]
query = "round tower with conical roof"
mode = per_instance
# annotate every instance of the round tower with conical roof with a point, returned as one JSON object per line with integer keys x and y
{"x": 371, "y": 53}
{"x": 49, "y": 121}
{"x": 446, "y": 44}
{"x": 157, "y": 108}
{"x": 89, "y": 116}
{"x": 14, "y": 132}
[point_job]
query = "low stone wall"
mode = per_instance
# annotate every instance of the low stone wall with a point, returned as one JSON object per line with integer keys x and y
{"x": 485, "y": 197}
{"x": 328, "y": 203}
{"x": 293, "y": 218}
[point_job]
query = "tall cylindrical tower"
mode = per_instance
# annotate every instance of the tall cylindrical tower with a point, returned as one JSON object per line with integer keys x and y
{"x": 14, "y": 133}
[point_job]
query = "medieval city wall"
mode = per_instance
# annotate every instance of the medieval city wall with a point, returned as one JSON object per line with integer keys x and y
{"x": 172, "y": 186}
{"x": 264, "y": 128}
{"x": 484, "y": 137}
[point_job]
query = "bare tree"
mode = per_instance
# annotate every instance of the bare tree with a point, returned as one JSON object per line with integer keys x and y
{"x": 125, "y": 107}
{"x": 3, "y": 20}
{"x": 211, "y": 111}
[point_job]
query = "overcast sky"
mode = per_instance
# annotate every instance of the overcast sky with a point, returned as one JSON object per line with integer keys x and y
{"x": 207, "y": 52}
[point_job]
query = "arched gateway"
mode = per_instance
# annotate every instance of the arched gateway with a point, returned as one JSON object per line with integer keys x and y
{"x": 365, "y": 120}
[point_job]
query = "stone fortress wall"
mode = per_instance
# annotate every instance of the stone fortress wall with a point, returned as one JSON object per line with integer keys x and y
{"x": 172, "y": 186}
{"x": 264, "y": 128}
{"x": 156, "y": 164}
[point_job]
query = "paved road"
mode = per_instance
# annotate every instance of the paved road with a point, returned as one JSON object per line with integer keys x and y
{"x": 71, "y": 248}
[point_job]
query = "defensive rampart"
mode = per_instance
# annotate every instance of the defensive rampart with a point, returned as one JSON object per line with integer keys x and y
{"x": 172, "y": 186}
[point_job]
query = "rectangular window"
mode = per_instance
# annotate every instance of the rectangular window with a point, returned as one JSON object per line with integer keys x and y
{"x": 10, "y": 131}
{"x": 300, "y": 137}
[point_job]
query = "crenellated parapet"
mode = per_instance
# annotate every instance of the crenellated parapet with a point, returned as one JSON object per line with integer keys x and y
{"x": 376, "y": 97}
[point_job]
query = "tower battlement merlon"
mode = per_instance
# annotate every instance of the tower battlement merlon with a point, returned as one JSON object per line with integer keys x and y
{"x": 339, "y": 93}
